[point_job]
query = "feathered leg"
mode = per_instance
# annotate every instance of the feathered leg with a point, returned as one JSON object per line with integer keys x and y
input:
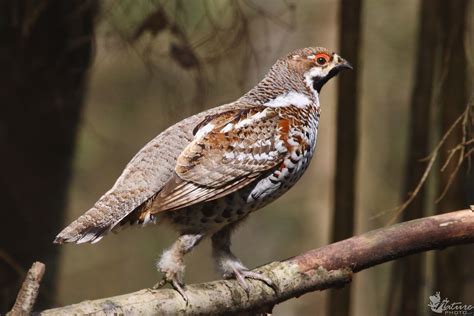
{"x": 229, "y": 265}
{"x": 171, "y": 263}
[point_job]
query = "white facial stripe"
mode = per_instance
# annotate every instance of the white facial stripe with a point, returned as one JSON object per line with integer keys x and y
{"x": 314, "y": 72}
{"x": 290, "y": 98}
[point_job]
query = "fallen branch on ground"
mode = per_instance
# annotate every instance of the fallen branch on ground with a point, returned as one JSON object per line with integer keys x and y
{"x": 327, "y": 267}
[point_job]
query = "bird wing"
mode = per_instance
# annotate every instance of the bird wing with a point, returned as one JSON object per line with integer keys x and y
{"x": 153, "y": 170}
{"x": 142, "y": 178}
{"x": 229, "y": 150}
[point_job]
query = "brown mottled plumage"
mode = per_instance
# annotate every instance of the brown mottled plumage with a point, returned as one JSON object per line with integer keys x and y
{"x": 209, "y": 171}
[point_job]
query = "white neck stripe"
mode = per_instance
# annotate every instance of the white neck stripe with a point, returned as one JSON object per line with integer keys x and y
{"x": 290, "y": 98}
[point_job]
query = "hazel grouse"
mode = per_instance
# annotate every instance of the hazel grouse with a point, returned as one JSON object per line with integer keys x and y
{"x": 208, "y": 172}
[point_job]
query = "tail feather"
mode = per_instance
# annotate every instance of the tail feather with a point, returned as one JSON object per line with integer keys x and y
{"x": 98, "y": 221}
{"x": 90, "y": 227}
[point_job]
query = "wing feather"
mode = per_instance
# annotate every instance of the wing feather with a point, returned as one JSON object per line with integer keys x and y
{"x": 191, "y": 193}
{"x": 229, "y": 151}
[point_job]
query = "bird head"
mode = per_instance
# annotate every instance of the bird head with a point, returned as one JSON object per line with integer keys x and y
{"x": 304, "y": 71}
{"x": 316, "y": 65}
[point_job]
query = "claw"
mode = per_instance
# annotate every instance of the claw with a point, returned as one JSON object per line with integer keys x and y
{"x": 238, "y": 274}
{"x": 159, "y": 284}
{"x": 180, "y": 290}
{"x": 176, "y": 285}
{"x": 241, "y": 275}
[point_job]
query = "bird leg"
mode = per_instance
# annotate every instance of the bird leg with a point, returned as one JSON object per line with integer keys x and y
{"x": 230, "y": 266}
{"x": 171, "y": 263}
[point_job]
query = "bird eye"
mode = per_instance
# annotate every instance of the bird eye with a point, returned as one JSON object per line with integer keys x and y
{"x": 322, "y": 59}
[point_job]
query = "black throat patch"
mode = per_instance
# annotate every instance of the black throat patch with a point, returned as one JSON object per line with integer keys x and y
{"x": 319, "y": 82}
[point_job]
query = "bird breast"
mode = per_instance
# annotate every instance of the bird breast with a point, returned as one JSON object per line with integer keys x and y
{"x": 299, "y": 136}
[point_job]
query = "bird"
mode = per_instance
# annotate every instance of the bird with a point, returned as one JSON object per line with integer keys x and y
{"x": 207, "y": 173}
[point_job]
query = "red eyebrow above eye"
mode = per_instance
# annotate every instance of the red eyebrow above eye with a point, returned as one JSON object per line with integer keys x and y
{"x": 323, "y": 55}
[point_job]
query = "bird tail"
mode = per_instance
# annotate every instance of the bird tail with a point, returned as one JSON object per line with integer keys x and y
{"x": 90, "y": 227}
{"x": 107, "y": 215}
{"x": 97, "y": 221}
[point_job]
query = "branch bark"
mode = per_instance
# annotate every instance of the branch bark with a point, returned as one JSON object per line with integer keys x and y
{"x": 327, "y": 267}
{"x": 29, "y": 291}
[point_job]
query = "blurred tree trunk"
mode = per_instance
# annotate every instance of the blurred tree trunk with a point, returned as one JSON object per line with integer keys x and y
{"x": 347, "y": 142}
{"x": 46, "y": 49}
{"x": 454, "y": 271}
{"x": 404, "y": 297}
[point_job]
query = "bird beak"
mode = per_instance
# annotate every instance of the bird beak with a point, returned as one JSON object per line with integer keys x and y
{"x": 341, "y": 63}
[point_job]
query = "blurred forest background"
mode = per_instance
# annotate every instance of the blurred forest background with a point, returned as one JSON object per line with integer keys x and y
{"x": 85, "y": 84}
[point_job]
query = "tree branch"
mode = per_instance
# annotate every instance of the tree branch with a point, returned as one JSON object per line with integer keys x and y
{"x": 327, "y": 267}
{"x": 29, "y": 290}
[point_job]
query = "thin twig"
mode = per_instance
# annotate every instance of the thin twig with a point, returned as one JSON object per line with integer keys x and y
{"x": 469, "y": 153}
{"x": 462, "y": 150}
{"x": 433, "y": 156}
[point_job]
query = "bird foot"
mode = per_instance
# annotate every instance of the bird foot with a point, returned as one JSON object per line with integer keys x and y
{"x": 172, "y": 268}
{"x": 242, "y": 274}
{"x": 175, "y": 283}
